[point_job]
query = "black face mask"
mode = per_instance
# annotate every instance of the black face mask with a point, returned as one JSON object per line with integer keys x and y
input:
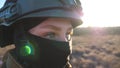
{"x": 37, "y": 52}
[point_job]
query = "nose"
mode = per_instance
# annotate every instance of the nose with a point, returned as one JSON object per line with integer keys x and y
{"x": 62, "y": 37}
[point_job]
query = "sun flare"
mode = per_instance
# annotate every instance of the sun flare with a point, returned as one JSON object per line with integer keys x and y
{"x": 100, "y": 13}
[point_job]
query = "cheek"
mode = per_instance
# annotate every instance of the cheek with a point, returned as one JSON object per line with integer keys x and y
{"x": 36, "y": 31}
{"x": 33, "y": 31}
{"x": 39, "y": 32}
{"x": 70, "y": 44}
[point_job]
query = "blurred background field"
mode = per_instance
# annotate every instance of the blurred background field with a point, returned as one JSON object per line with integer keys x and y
{"x": 96, "y": 48}
{"x": 93, "y": 48}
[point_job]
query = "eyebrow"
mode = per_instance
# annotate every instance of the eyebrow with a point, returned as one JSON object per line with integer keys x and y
{"x": 55, "y": 27}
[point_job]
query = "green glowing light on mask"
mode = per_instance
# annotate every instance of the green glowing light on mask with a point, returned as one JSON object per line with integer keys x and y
{"x": 27, "y": 50}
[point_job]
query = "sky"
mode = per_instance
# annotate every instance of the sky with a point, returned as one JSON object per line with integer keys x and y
{"x": 101, "y": 13}
{"x": 1, "y": 3}
{"x": 98, "y": 13}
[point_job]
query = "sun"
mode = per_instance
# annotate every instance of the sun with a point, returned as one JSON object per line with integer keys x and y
{"x": 101, "y": 13}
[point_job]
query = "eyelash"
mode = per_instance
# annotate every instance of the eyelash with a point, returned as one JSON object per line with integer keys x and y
{"x": 52, "y": 35}
{"x": 49, "y": 35}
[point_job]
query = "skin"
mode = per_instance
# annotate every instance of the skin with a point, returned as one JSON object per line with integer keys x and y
{"x": 59, "y": 29}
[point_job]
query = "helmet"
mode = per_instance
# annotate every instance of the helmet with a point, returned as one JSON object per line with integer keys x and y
{"x": 15, "y": 10}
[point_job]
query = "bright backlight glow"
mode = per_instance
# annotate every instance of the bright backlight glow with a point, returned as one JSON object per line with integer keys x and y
{"x": 101, "y": 13}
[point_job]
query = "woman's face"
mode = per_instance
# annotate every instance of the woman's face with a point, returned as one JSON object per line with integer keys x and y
{"x": 58, "y": 29}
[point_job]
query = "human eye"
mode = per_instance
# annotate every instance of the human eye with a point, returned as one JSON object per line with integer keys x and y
{"x": 50, "y": 35}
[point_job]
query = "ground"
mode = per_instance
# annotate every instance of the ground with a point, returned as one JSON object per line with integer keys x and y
{"x": 96, "y": 51}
